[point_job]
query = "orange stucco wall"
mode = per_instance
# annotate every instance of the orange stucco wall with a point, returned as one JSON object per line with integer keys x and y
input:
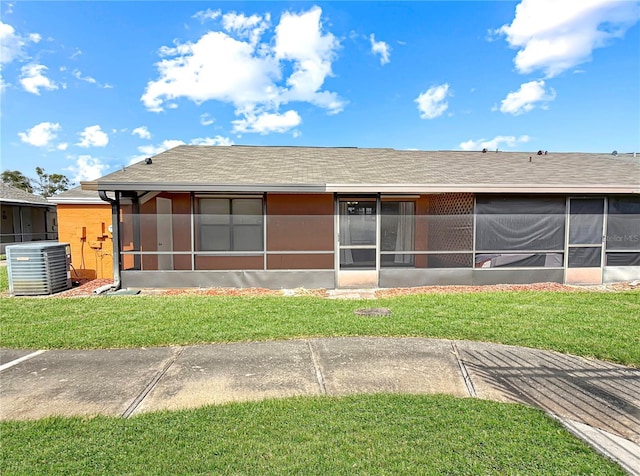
{"x": 86, "y": 228}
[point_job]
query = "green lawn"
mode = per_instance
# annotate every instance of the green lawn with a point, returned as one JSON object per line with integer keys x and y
{"x": 600, "y": 325}
{"x": 4, "y": 279}
{"x": 367, "y": 434}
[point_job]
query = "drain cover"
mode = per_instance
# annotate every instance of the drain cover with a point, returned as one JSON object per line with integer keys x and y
{"x": 373, "y": 311}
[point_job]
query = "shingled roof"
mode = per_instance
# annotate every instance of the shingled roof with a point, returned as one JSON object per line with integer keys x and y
{"x": 334, "y": 169}
{"x": 12, "y": 195}
{"x": 77, "y": 196}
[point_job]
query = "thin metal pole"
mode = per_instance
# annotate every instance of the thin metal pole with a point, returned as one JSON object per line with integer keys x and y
{"x": 378, "y": 234}
{"x": 193, "y": 230}
{"x": 264, "y": 231}
{"x": 567, "y": 224}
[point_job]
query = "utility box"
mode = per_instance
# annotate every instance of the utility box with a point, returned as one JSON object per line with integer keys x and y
{"x": 38, "y": 268}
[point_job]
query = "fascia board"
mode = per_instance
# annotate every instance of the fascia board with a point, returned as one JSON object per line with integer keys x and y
{"x": 190, "y": 187}
{"x": 25, "y": 203}
{"x": 482, "y": 188}
{"x": 76, "y": 201}
{"x": 364, "y": 188}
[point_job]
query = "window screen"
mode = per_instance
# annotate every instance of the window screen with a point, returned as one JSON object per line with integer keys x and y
{"x": 520, "y": 223}
{"x": 397, "y": 226}
{"x": 623, "y": 224}
{"x": 585, "y": 221}
{"x": 585, "y": 257}
{"x": 231, "y": 224}
{"x": 623, "y": 259}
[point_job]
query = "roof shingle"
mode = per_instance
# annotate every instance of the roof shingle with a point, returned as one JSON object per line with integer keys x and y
{"x": 341, "y": 169}
{"x": 16, "y": 195}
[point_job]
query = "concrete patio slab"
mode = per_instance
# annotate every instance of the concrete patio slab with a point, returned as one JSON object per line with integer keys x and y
{"x": 222, "y": 373}
{"x": 78, "y": 383}
{"x": 7, "y": 355}
{"x": 599, "y": 394}
{"x": 366, "y": 365}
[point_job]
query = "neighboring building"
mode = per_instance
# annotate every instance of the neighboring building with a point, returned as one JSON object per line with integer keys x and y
{"x": 347, "y": 217}
{"x": 25, "y": 217}
{"x": 85, "y": 222}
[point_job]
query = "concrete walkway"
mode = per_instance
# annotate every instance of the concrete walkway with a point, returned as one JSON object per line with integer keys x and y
{"x": 597, "y": 401}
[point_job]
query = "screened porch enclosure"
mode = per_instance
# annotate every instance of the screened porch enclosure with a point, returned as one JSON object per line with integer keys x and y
{"x": 311, "y": 240}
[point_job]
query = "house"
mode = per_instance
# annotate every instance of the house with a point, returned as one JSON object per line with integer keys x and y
{"x": 25, "y": 217}
{"x": 286, "y": 217}
{"x": 84, "y": 221}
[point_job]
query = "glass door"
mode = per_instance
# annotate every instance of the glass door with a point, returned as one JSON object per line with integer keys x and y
{"x": 586, "y": 237}
{"x": 357, "y": 242}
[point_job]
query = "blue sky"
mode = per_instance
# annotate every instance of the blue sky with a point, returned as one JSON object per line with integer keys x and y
{"x": 89, "y": 87}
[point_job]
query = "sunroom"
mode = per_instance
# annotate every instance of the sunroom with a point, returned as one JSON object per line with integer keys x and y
{"x": 278, "y": 240}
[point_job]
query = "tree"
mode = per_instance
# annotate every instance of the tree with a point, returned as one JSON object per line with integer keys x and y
{"x": 16, "y": 179}
{"x": 50, "y": 184}
{"x": 45, "y": 185}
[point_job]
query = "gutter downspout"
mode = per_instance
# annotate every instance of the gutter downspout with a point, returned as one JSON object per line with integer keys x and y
{"x": 115, "y": 223}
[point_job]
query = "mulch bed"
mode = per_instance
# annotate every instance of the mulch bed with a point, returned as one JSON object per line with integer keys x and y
{"x": 475, "y": 289}
{"x": 86, "y": 287}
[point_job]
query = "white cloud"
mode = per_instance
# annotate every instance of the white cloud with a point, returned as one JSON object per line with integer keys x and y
{"x": 380, "y": 48}
{"x": 77, "y": 53}
{"x": 217, "y": 140}
{"x": 87, "y": 79}
{"x": 40, "y": 135}
{"x": 299, "y": 38}
{"x": 246, "y": 27}
{"x": 62, "y": 146}
{"x": 206, "y": 119}
{"x": 151, "y": 150}
{"x": 32, "y": 79}
{"x": 207, "y": 14}
{"x": 141, "y": 132}
{"x": 12, "y": 44}
{"x": 495, "y": 143}
{"x": 525, "y": 99}
{"x": 216, "y": 67}
{"x": 12, "y": 47}
{"x": 233, "y": 66}
{"x": 433, "y": 102}
{"x": 554, "y": 36}
{"x": 87, "y": 168}
{"x": 93, "y": 136}
{"x": 267, "y": 122}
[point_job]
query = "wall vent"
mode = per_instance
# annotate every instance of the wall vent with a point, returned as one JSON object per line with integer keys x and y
{"x": 38, "y": 268}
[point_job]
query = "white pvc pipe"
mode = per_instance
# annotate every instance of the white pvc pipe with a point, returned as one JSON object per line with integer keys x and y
{"x": 102, "y": 289}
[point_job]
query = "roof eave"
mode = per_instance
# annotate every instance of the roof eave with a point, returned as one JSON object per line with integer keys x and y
{"x": 214, "y": 187}
{"x": 363, "y": 188}
{"x": 24, "y": 202}
{"x": 483, "y": 188}
{"x": 76, "y": 201}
